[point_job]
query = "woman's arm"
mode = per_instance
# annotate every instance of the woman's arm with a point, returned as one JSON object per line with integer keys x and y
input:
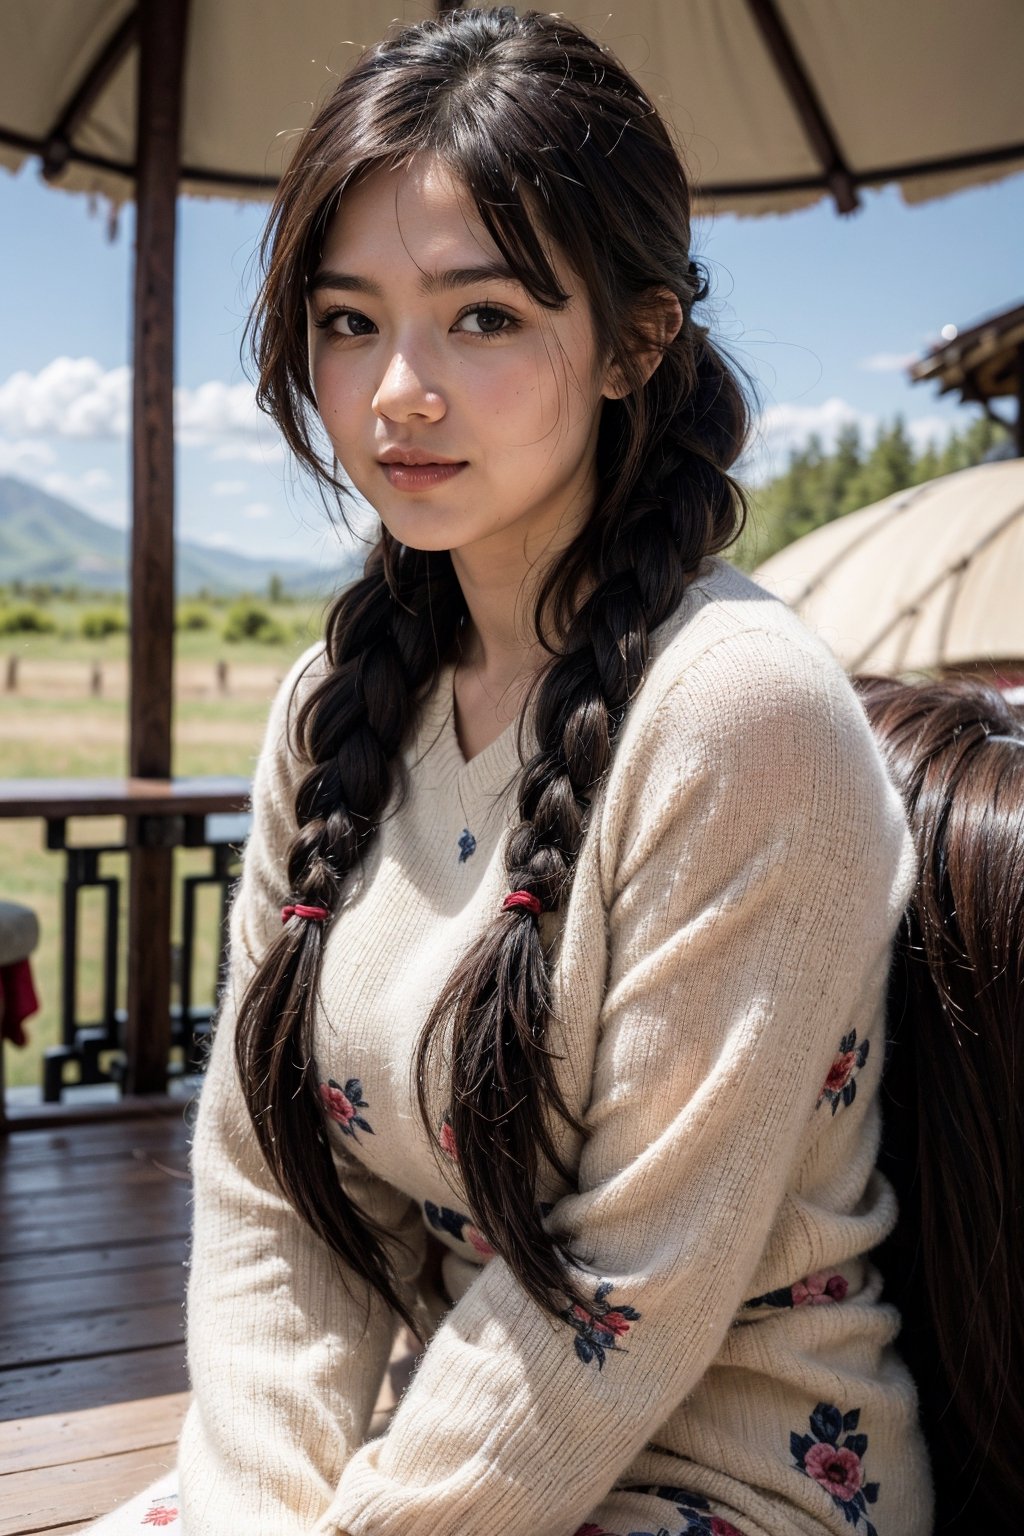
{"x": 285, "y": 1364}
{"x": 755, "y": 862}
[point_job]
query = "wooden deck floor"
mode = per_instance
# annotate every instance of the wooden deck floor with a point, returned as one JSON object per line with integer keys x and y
{"x": 93, "y": 1387}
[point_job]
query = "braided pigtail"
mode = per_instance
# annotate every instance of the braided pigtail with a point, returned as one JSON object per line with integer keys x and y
{"x": 383, "y": 652}
{"x": 497, "y": 1003}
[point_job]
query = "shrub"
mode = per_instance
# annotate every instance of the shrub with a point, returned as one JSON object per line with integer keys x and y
{"x": 193, "y": 616}
{"x": 98, "y": 623}
{"x": 247, "y": 620}
{"x": 25, "y": 619}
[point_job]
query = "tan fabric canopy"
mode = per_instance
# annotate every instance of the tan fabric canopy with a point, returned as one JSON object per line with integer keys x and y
{"x": 930, "y": 577}
{"x": 776, "y": 103}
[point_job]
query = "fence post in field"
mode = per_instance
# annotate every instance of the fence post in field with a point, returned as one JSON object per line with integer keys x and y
{"x": 222, "y": 676}
{"x": 96, "y": 680}
{"x": 11, "y": 678}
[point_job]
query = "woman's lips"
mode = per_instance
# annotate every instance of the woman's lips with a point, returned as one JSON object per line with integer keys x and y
{"x": 419, "y": 477}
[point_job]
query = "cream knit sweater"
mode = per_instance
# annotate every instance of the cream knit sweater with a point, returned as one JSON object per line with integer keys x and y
{"x": 719, "y": 984}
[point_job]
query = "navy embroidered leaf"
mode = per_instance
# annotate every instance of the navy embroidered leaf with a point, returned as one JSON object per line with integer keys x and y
{"x": 858, "y": 1444}
{"x": 467, "y": 845}
{"x": 364, "y": 1125}
{"x": 870, "y": 1492}
{"x": 827, "y": 1423}
{"x": 799, "y": 1445}
{"x": 851, "y": 1419}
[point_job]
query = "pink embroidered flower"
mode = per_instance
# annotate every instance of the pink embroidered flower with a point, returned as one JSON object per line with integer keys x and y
{"x": 338, "y": 1105}
{"x": 612, "y": 1322}
{"x": 839, "y": 1072}
{"x": 446, "y": 1140}
{"x": 592, "y": 1530}
{"x": 721, "y": 1527}
{"x": 818, "y": 1288}
{"x": 160, "y": 1516}
{"x": 836, "y": 1468}
{"x": 476, "y": 1239}
{"x": 840, "y": 1086}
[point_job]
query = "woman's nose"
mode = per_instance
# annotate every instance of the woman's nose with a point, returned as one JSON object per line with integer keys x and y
{"x": 404, "y": 392}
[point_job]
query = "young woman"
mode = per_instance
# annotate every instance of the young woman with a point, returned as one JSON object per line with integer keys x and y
{"x": 567, "y": 910}
{"x": 953, "y": 1143}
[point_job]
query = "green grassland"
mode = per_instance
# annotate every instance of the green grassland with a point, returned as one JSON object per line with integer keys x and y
{"x": 53, "y": 726}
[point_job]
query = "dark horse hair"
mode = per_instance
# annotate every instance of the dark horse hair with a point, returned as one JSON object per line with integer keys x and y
{"x": 557, "y": 145}
{"x": 952, "y": 1098}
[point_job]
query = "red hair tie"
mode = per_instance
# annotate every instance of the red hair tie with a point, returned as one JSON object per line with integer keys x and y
{"x": 523, "y": 899}
{"x": 317, "y": 914}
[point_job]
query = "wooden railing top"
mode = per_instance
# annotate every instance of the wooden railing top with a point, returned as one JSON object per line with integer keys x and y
{"x": 56, "y": 799}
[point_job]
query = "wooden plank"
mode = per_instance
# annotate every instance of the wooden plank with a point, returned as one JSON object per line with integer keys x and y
{"x": 129, "y": 1107}
{"x": 123, "y": 1260}
{"x": 60, "y": 1339}
{"x": 108, "y": 1139}
{"x": 78, "y": 1491}
{"x": 77, "y": 1295}
{"x": 50, "y": 1439}
{"x": 52, "y": 1231}
{"x": 72, "y": 1179}
{"x": 69, "y": 1385}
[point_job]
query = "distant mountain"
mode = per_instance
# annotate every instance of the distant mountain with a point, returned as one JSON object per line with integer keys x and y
{"x": 45, "y": 539}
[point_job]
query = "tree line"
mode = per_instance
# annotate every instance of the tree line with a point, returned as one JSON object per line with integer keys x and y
{"x": 818, "y": 486}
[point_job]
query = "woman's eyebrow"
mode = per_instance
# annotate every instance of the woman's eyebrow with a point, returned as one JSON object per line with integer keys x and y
{"x": 430, "y": 282}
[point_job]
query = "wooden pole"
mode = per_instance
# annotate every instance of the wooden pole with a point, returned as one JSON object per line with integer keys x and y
{"x": 162, "y": 28}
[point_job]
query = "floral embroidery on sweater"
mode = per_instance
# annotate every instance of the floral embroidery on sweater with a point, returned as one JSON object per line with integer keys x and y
{"x": 467, "y": 845}
{"x": 812, "y": 1290}
{"x": 838, "y": 1468}
{"x": 342, "y": 1105}
{"x": 442, "y": 1219}
{"x": 446, "y": 1140}
{"x": 694, "y": 1508}
{"x": 840, "y": 1086}
{"x": 597, "y": 1332}
{"x": 159, "y": 1513}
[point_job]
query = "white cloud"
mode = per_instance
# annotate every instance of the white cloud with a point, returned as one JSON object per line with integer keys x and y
{"x": 783, "y": 427}
{"x": 97, "y": 480}
{"x": 70, "y": 397}
{"x": 77, "y": 397}
{"x": 215, "y": 410}
{"x": 888, "y": 362}
{"x": 228, "y": 487}
{"x": 257, "y": 509}
{"x": 270, "y": 451}
{"x": 787, "y": 426}
{"x": 220, "y": 540}
{"x": 25, "y": 457}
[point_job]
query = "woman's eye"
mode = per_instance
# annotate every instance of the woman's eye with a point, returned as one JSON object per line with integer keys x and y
{"x": 346, "y": 322}
{"x": 488, "y": 321}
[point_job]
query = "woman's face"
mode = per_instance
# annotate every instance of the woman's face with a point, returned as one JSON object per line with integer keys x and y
{"x": 464, "y": 412}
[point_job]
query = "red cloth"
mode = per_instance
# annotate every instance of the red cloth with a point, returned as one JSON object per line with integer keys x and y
{"x": 17, "y": 1000}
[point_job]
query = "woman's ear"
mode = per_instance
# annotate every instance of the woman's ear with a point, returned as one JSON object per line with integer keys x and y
{"x": 660, "y": 324}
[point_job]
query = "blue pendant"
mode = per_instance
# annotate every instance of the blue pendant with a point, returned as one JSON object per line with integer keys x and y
{"x": 467, "y": 845}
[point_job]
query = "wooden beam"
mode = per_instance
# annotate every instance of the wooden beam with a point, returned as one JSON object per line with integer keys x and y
{"x": 809, "y": 110}
{"x": 162, "y": 30}
{"x": 1019, "y": 424}
{"x": 57, "y": 148}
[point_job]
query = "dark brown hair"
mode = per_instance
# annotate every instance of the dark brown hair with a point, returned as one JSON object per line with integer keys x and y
{"x": 952, "y": 1098}
{"x": 554, "y": 142}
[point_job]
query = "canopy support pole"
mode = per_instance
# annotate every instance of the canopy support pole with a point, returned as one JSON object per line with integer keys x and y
{"x": 162, "y": 28}
{"x": 817, "y": 128}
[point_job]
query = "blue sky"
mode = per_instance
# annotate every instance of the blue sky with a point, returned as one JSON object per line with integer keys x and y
{"x": 824, "y": 310}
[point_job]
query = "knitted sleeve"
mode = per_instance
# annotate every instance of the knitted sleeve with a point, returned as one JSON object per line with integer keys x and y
{"x": 286, "y": 1351}
{"x": 754, "y": 861}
